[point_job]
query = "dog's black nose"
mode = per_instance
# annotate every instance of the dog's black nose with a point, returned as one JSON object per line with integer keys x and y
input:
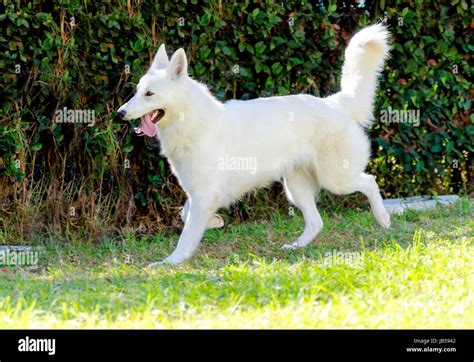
{"x": 122, "y": 113}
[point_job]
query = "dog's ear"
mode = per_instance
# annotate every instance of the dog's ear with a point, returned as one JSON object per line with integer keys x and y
{"x": 178, "y": 67}
{"x": 161, "y": 60}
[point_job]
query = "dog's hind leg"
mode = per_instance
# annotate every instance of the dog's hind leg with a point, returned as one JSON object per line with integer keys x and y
{"x": 301, "y": 188}
{"x": 366, "y": 184}
{"x": 215, "y": 222}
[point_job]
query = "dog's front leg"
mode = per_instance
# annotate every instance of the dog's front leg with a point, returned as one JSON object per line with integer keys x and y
{"x": 215, "y": 222}
{"x": 200, "y": 208}
{"x": 184, "y": 212}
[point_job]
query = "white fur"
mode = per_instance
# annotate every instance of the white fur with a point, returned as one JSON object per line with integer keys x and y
{"x": 309, "y": 142}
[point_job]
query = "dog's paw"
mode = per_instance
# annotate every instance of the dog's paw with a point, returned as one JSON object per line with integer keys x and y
{"x": 383, "y": 218}
{"x": 157, "y": 264}
{"x": 169, "y": 261}
{"x": 175, "y": 259}
{"x": 216, "y": 222}
{"x": 292, "y": 246}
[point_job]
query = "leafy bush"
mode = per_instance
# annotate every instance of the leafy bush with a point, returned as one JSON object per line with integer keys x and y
{"x": 89, "y": 55}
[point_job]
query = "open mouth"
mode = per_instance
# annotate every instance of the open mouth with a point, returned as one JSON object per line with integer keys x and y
{"x": 148, "y": 123}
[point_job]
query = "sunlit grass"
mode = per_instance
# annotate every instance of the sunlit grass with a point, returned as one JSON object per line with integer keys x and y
{"x": 416, "y": 275}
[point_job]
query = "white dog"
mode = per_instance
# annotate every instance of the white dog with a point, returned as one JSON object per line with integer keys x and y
{"x": 219, "y": 151}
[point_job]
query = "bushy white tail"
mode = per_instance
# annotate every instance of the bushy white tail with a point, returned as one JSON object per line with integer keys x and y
{"x": 364, "y": 59}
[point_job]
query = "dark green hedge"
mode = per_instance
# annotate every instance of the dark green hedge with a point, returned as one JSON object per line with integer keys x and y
{"x": 77, "y": 54}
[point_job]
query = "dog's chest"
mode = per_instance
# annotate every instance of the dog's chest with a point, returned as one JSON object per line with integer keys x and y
{"x": 192, "y": 160}
{"x": 189, "y": 173}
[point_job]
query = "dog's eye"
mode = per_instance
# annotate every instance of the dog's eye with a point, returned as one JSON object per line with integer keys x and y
{"x": 148, "y": 94}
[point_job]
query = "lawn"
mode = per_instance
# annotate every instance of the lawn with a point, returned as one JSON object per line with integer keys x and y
{"x": 418, "y": 274}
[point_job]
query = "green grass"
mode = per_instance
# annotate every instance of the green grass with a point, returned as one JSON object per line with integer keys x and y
{"x": 418, "y": 274}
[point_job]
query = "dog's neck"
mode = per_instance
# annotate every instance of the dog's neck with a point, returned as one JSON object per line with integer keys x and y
{"x": 187, "y": 126}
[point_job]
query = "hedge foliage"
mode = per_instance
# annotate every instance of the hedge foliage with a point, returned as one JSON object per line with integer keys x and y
{"x": 88, "y": 55}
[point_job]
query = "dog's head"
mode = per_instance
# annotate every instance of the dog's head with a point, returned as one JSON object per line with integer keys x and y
{"x": 157, "y": 91}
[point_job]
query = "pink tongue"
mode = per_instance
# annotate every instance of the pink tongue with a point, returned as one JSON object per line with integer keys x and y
{"x": 147, "y": 126}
